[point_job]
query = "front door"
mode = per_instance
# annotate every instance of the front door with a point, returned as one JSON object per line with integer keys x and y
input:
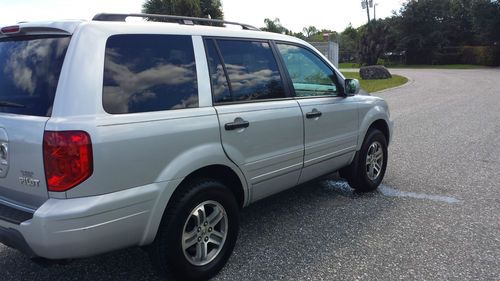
{"x": 330, "y": 118}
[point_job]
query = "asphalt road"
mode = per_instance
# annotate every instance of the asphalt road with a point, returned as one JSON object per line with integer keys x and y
{"x": 436, "y": 216}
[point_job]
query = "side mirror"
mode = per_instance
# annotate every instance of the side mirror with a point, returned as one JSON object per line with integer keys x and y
{"x": 352, "y": 87}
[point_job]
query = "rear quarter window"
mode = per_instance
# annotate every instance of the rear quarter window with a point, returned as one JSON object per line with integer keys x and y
{"x": 144, "y": 73}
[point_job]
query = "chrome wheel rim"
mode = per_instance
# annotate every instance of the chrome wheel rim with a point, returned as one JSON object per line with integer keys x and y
{"x": 374, "y": 161}
{"x": 204, "y": 233}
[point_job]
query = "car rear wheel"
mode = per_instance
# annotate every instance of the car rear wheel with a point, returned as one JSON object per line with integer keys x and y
{"x": 198, "y": 231}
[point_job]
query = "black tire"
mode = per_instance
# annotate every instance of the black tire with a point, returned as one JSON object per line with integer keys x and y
{"x": 166, "y": 252}
{"x": 356, "y": 174}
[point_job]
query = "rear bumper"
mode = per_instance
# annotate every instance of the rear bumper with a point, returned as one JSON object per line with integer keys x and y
{"x": 82, "y": 227}
{"x": 14, "y": 239}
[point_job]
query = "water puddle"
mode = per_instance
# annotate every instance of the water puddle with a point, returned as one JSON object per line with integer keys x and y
{"x": 388, "y": 191}
{"x": 341, "y": 187}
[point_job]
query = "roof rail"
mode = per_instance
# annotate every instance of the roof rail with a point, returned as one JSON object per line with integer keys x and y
{"x": 179, "y": 19}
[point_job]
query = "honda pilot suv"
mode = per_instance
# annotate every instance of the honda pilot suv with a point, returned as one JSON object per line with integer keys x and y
{"x": 117, "y": 133}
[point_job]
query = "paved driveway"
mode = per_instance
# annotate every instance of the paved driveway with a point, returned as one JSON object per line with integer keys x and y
{"x": 436, "y": 217}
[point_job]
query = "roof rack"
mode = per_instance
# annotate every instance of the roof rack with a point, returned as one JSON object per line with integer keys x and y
{"x": 179, "y": 19}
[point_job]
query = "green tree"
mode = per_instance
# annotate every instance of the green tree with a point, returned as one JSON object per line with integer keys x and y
{"x": 192, "y": 8}
{"x": 432, "y": 31}
{"x": 373, "y": 42}
{"x": 442, "y": 23}
{"x": 349, "y": 37}
{"x": 299, "y": 35}
{"x": 349, "y": 44}
{"x": 323, "y": 35}
{"x": 168, "y": 7}
{"x": 486, "y": 22}
{"x": 212, "y": 8}
{"x": 275, "y": 26}
{"x": 310, "y": 31}
{"x": 189, "y": 8}
{"x": 424, "y": 24}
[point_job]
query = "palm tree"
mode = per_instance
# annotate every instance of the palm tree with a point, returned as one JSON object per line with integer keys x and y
{"x": 191, "y": 8}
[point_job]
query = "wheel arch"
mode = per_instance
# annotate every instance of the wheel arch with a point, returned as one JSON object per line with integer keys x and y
{"x": 382, "y": 126}
{"x": 226, "y": 174}
{"x": 377, "y": 118}
{"x": 222, "y": 173}
{"x": 209, "y": 161}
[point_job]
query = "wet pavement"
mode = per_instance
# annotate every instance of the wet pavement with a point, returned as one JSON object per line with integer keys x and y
{"x": 435, "y": 217}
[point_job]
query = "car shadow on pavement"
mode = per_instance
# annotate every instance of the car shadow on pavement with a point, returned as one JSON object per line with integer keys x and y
{"x": 291, "y": 228}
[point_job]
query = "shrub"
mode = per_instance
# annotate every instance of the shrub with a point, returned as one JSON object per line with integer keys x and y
{"x": 478, "y": 55}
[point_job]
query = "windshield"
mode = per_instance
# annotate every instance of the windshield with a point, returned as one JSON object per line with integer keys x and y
{"x": 29, "y": 72}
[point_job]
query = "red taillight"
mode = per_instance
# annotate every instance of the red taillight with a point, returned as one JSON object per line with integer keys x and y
{"x": 11, "y": 29}
{"x": 67, "y": 157}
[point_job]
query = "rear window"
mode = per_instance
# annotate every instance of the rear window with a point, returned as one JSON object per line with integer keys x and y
{"x": 144, "y": 73}
{"x": 29, "y": 72}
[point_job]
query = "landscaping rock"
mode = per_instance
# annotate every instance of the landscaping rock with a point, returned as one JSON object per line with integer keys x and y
{"x": 374, "y": 72}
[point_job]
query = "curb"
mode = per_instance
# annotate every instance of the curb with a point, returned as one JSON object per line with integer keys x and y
{"x": 408, "y": 83}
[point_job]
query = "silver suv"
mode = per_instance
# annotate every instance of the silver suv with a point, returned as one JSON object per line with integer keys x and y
{"x": 116, "y": 134}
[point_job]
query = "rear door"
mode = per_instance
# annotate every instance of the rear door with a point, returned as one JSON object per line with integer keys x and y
{"x": 261, "y": 126}
{"x": 30, "y": 68}
{"x": 330, "y": 118}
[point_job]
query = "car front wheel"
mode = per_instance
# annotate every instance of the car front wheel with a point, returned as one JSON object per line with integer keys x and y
{"x": 368, "y": 167}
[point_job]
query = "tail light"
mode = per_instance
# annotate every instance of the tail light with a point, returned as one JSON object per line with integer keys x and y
{"x": 10, "y": 29}
{"x": 67, "y": 157}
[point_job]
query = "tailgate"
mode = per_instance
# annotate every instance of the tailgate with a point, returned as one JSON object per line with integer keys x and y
{"x": 22, "y": 179}
{"x": 30, "y": 66}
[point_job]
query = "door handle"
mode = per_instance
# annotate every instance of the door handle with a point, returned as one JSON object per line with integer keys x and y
{"x": 313, "y": 114}
{"x": 237, "y": 124}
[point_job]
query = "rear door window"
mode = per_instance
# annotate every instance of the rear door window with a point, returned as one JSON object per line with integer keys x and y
{"x": 251, "y": 69}
{"x": 144, "y": 73}
{"x": 29, "y": 72}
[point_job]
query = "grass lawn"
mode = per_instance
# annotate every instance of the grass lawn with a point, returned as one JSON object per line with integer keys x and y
{"x": 349, "y": 65}
{"x": 420, "y": 66}
{"x": 443, "y": 66}
{"x": 377, "y": 85}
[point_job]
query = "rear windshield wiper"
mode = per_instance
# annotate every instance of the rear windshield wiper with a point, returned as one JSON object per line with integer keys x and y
{"x": 12, "y": 104}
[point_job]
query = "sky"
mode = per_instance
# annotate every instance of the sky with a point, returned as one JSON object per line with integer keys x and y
{"x": 294, "y": 15}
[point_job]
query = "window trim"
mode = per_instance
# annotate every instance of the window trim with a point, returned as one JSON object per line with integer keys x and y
{"x": 289, "y": 95}
{"x": 289, "y": 79}
{"x": 221, "y": 59}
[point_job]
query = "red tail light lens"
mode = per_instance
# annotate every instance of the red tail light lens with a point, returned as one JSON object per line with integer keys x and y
{"x": 67, "y": 159}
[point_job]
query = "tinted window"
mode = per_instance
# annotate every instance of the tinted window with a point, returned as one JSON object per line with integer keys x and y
{"x": 149, "y": 73}
{"x": 310, "y": 75}
{"x": 220, "y": 88}
{"x": 252, "y": 70}
{"x": 29, "y": 73}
